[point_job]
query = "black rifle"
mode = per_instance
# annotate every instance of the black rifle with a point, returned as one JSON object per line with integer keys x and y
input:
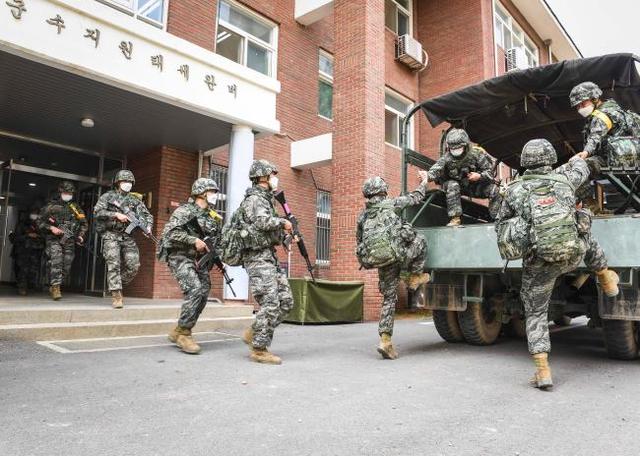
{"x": 67, "y": 233}
{"x": 211, "y": 259}
{"x": 134, "y": 221}
{"x": 279, "y": 196}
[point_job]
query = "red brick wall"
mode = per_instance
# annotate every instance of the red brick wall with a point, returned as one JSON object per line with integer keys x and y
{"x": 195, "y": 21}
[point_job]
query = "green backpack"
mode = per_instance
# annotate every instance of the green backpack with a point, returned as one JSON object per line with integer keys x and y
{"x": 378, "y": 247}
{"x": 231, "y": 240}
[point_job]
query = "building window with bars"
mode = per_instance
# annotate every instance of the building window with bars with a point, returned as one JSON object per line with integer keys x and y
{"x": 323, "y": 227}
{"x": 219, "y": 174}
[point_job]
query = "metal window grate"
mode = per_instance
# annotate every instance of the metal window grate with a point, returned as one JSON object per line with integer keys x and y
{"x": 323, "y": 227}
{"x": 219, "y": 174}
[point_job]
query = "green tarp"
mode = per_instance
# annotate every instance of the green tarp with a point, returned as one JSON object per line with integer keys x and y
{"x": 325, "y": 301}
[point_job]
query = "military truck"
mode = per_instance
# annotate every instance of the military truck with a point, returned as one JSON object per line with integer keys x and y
{"x": 474, "y": 295}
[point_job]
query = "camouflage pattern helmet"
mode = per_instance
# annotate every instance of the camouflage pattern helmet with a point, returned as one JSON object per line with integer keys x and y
{"x": 584, "y": 91}
{"x": 538, "y": 152}
{"x": 124, "y": 175}
{"x": 203, "y": 184}
{"x": 66, "y": 187}
{"x": 262, "y": 168}
{"x": 374, "y": 186}
{"x": 457, "y": 138}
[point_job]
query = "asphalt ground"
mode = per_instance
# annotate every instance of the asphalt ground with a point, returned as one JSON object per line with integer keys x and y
{"x": 333, "y": 395}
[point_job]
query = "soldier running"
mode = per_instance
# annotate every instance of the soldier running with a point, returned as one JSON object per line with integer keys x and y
{"x": 64, "y": 223}
{"x": 392, "y": 246}
{"x": 560, "y": 245}
{"x": 465, "y": 169}
{"x": 182, "y": 244}
{"x": 28, "y": 247}
{"x": 120, "y": 251}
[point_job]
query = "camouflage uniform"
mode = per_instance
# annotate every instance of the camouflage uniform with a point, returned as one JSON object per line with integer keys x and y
{"x": 60, "y": 250}
{"x": 451, "y": 172}
{"x": 177, "y": 247}
{"x": 268, "y": 283}
{"x": 411, "y": 244}
{"x": 539, "y": 276}
{"x": 28, "y": 246}
{"x": 119, "y": 249}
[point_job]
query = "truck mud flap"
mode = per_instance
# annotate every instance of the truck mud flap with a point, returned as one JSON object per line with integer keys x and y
{"x": 453, "y": 291}
{"x": 625, "y": 306}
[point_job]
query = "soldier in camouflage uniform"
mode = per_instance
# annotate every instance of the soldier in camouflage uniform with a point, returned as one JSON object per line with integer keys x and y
{"x": 268, "y": 283}
{"x": 605, "y": 120}
{"x": 28, "y": 247}
{"x": 63, "y": 223}
{"x": 465, "y": 169}
{"x": 181, "y": 245}
{"x": 119, "y": 249}
{"x": 410, "y": 245}
{"x": 539, "y": 276}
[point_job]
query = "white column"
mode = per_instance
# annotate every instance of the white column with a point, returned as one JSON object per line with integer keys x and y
{"x": 240, "y": 159}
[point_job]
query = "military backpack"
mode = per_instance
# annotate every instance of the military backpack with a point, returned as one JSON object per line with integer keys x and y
{"x": 378, "y": 247}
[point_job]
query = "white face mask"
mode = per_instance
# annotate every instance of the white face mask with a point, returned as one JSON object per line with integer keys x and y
{"x": 457, "y": 152}
{"x": 586, "y": 110}
{"x": 212, "y": 198}
{"x": 33, "y": 216}
{"x": 126, "y": 186}
{"x": 66, "y": 197}
{"x": 273, "y": 182}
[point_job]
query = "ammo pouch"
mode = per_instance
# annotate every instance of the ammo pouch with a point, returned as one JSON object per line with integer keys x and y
{"x": 623, "y": 152}
{"x": 513, "y": 238}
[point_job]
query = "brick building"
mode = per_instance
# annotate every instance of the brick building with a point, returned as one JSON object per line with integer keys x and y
{"x": 178, "y": 89}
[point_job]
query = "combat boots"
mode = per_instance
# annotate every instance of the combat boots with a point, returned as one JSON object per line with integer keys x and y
{"x": 386, "y": 347}
{"x": 542, "y": 378}
{"x": 609, "y": 282}
{"x": 54, "y": 291}
{"x": 183, "y": 339}
{"x": 247, "y": 336}
{"x": 264, "y": 356}
{"x": 415, "y": 280}
{"x": 455, "y": 221}
{"x": 116, "y": 296}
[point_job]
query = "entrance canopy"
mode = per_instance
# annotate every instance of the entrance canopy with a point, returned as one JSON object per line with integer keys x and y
{"x": 503, "y": 113}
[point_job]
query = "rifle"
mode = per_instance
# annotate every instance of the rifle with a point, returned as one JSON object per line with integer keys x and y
{"x": 67, "y": 233}
{"x": 211, "y": 259}
{"x": 279, "y": 196}
{"x": 134, "y": 221}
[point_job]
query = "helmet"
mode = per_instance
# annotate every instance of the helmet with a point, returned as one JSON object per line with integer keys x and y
{"x": 66, "y": 187}
{"x": 374, "y": 186}
{"x": 202, "y": 185}
{"x": 584, "y": 91}
{"x": 538, "y": 152}
{"x": 124, "y": 175}
{"x": 457, "y": 138}
{"x": 262, "y": 168}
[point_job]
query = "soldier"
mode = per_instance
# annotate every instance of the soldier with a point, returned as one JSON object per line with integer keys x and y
{"x": 28, "y": 246}
{"x": 466, "y": 169}
{"x": 392, "y": 246}
{"x": 560, "y": 245}
{"x": 64, "y": 223}
{"x": 268, "y": 283}
{"x": 119, "y": 249}
{"x": 182, "y": 244}
{"x": 605, "y": 120}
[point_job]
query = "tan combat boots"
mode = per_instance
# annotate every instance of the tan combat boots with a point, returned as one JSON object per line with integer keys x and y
{"x": 386, "y": 347}
{"x": 55, "y": 293}
{"x": 184, "y": 340}
{"x": 609, "y": 282}
{"x": 542, "y": 377}
{"x": 116, "y": 296}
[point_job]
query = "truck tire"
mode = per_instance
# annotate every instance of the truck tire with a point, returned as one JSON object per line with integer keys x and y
{"x": 621, "y": 338}
{"x": 446, "y": 323}
{"x": 563, "y": 321}
{"x": 481, "y": 322}
{"x": 516, "y": 328}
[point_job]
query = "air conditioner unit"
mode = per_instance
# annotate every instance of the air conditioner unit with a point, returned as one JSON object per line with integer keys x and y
{"x": 409, "y": 51}
{"x": 516, "y": 59}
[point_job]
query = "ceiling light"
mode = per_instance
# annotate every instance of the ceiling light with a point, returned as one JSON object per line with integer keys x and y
{"x": 32, "y": 184}
{"x": 87, "y": 123}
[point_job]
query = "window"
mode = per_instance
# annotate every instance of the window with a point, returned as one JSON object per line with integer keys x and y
{"x": 325, "y": 85}
{"x": 397, "y": 16}
{"x": 508, "y": 34}
{"x": 219, "y": 174}
{"x": 395, "y": 110}
{"x": 152, "y": 11}
{"x": 323, "y": 227}
{"x": 246, "y": 38}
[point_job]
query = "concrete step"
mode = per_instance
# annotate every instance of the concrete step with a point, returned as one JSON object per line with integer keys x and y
{"x": 96, "y": 329}
{"x": 22, "y": 315}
